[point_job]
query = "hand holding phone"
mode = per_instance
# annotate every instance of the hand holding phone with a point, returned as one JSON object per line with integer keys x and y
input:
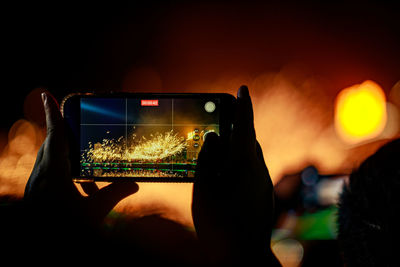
{"x": 50, "y": 187}
{"x": 233, "y": 195}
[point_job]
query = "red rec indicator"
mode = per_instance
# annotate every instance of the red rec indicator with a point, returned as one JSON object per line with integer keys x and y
{"x": 149, "y": 102}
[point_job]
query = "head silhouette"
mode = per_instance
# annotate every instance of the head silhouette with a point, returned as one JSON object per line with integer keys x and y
{"x": 369, "y": 208}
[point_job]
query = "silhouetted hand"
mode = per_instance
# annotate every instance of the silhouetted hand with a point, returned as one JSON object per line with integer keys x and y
{"x": 50, "y": 187}
{"x": 233, "y": 194}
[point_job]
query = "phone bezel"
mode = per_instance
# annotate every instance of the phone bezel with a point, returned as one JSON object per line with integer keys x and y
{"x": 70, "y": 109}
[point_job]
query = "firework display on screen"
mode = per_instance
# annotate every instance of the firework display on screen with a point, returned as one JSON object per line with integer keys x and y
{"x": 132, "y": 137}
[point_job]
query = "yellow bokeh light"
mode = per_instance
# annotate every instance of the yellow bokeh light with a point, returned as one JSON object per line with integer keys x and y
{"x": 360, "y": 112}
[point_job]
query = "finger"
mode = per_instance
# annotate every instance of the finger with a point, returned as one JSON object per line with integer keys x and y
{"x": 39, "y": 156}
{"x": 105, "y": 199}
{"x": 35, "y": 172}
{"x": 53, "y": 116}
{"x": 260, "y": 156}
{"x": 89, "y": 188}
{"x": 243, "y": 130}
{"x": 55, "y": 143}
{"x": 206, "y": 173}
{"x": 206, "y": 170}
{"x": 244, "y": 101}
{"x": 207, "y": 161}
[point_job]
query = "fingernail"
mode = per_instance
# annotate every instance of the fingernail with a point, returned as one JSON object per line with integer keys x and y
{"x": 44, "y": 97}
{"x": 243, "y": 92}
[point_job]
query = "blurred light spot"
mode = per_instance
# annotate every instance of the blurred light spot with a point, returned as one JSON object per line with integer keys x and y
{"x": 18, "y": 157}
{"x": 317, "y": 224}
{"x": 329, "y": 190}
{"x": 360, "y": 112}
{"x": 22, "y": 137}
{"x": 289, "y": 252}
{"x": 309, "y": 176}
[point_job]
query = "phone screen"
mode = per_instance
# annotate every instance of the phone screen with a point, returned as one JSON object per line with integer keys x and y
{"x": 144, "y": 137}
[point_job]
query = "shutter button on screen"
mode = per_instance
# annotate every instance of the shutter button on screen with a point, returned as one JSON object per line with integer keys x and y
{"x": 209, "y": 106}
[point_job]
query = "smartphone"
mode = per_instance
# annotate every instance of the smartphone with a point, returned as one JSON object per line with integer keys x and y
{"x": 140, "y": 136}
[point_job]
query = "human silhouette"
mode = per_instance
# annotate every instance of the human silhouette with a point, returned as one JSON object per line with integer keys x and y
{"x": 369, "y": 211}
{"x": 233, "y": 194}
{"x": 232, "y": 200}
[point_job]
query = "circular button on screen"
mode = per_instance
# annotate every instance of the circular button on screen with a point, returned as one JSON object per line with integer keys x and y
{"x": 209, "y": 106}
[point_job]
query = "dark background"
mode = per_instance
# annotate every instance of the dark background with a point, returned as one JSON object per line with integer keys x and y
{"x": 67, "y": 48}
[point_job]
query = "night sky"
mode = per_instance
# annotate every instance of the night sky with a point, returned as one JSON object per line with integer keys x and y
{"x": 69, "y": 48}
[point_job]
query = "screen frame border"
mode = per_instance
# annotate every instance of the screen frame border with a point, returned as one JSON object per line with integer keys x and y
{"x": 70, "y": 109}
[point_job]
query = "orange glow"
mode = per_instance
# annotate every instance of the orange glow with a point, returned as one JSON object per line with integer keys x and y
{"x": 18, "y": 157}
{"x": 293, "y": 122}
{"x": 360, "y": 112}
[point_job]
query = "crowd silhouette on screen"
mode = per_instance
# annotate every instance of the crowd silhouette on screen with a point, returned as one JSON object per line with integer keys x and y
{"x": 232, "y": 207}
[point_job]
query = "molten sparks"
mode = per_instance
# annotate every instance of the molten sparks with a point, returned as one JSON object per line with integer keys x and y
{"x": 159, "y": 147}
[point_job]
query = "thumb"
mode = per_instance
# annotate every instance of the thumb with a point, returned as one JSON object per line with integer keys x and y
{"x": 208, "y": 156}
{"x": 206, "y": 170}
{"x": 56, "y": 143}
{"x": 54, "y": 121}
{"x": 243, "y": 130}
{"x": 104, "y": 200}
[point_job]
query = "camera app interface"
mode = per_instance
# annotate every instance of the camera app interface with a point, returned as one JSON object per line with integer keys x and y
{"x": 148, "y": 137}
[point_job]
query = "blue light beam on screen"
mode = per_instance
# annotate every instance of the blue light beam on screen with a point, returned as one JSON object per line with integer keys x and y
{"x": 100, "y": 110}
